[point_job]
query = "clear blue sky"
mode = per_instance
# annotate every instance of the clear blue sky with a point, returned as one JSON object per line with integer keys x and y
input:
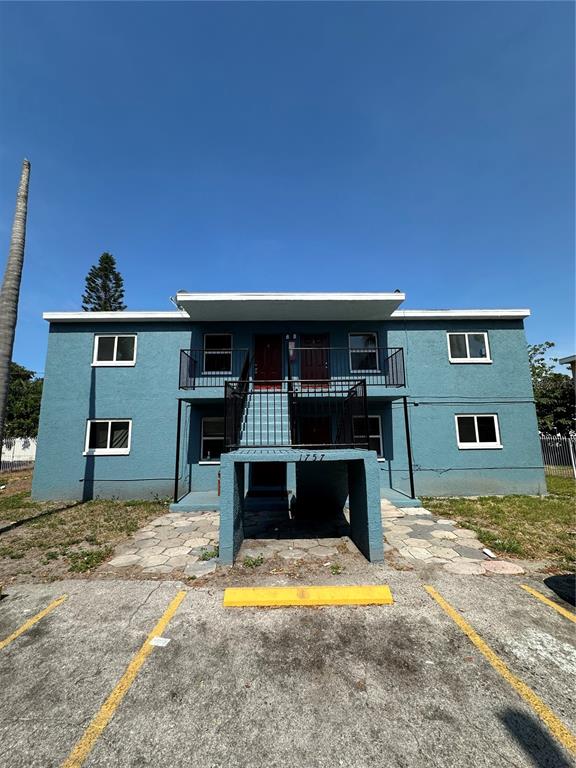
{"x": 270, "y": 146}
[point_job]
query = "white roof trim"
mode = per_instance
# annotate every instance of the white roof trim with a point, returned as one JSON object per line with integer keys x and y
{"x": 114, "y": 317}
{"x": 305, "y": 296}
{"x": 567, "y": 360}
{"x": 460, "y": 314}
{"x": 399, "y": 314}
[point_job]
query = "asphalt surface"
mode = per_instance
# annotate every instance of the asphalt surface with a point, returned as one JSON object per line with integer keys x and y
{"x": 395, "y": 686}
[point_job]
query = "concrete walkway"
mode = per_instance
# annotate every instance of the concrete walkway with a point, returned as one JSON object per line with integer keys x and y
{"x": 188, "y": 543}
{"x": 175, "y": 542}
{"x": 420, "y": 537}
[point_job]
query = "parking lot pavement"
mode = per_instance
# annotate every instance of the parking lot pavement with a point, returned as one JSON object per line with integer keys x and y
{"x": 397, "y": 685}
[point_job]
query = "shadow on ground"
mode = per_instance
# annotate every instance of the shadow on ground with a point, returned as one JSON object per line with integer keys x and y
{"x": 283, "y": 523}
{"x": 564, "y": 586}
{"x": 539, "y": 746}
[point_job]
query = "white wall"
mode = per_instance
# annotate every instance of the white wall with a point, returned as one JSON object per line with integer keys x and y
{"x": 19, "y": 449}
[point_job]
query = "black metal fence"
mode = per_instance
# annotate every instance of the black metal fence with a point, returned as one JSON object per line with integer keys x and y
{"x": 381, "y": 366}
{"x": 210, "y": 367}
{"x": 311, "y": 414}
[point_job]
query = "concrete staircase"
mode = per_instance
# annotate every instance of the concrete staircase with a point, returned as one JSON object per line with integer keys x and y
{"x": 266, "y": 420}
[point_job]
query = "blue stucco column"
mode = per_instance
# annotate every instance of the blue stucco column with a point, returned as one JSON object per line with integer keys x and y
{"x": 364, "y": 504}
{"x": 231, "y": 508}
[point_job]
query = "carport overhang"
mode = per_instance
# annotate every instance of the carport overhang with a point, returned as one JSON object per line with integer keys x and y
{"x": 288, "y": 306}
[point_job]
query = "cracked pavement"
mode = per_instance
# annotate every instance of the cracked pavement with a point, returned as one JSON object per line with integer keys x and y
{"x": 398, "y": 686}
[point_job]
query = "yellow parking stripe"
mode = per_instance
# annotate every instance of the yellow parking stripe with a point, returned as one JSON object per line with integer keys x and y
{"x": 555, "y": 725}
{"x": 106, "y": 712}
{"x": 265, "y": 597}
{"x": 539, "y": 596}
{"x": 30, "y": 623}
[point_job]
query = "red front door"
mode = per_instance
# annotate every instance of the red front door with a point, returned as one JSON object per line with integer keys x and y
{"x": 314, "y": 357}
{"x": 268, "y": 358}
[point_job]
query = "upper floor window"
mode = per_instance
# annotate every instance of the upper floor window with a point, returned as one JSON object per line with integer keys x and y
{"x": 108, "y": 437}
{"x": 374, "y": 433}
{"x": 363, "y": 352}
{"x": 114, "y": 350}
{"x": 468, "y": 347}
{"x": 212, "y": 439}
{"x": 478, "y": 430}
{"x": 218, "y": 353}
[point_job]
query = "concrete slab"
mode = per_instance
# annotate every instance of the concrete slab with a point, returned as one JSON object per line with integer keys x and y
{"x": 386, "y": 687}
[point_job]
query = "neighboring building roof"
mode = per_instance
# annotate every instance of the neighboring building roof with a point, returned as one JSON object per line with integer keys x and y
{"x": 287, "y": 306}
{"x": 567, "y": 360}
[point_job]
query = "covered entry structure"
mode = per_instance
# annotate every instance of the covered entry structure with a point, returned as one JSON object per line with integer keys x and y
{"x": 322, "y": 477}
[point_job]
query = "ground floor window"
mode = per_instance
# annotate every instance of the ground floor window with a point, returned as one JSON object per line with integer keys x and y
{"x": 478, "y": 430}
{"x": 108, "y": 437}
{"x": 374, "y": 433}
{"x": 212, "y": 438}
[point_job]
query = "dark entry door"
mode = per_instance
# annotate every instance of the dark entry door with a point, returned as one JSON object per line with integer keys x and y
{"x": 314, "y": 356}
{"x": 268, "y": 358}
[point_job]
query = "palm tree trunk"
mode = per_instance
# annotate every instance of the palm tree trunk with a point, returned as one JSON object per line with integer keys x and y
{"x": 10, "y": 291}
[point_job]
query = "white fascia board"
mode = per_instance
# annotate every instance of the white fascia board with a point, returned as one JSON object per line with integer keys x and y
{"x": 460, "y": 314}
{"x": 303, "y": 296}
{"x": 289, "y": 306}
{"x": 567, "y": 360}
{"x": 115, "y": 317}
{"x": 318, "y": 298}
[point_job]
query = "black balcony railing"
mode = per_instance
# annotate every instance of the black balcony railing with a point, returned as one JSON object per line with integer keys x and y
{"x": 311, "y": 414}
{"x": 210, "y": 367}
{"x": 377, "y": 366}
{"x": 380, "y": 366}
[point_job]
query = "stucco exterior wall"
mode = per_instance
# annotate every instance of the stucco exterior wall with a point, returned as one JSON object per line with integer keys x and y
{"x": 147, "y": 393}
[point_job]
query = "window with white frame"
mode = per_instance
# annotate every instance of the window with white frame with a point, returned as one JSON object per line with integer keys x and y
{"x": 363, "y": 349}
{"x": 114, "y": 350}
{"x": 212, "y": 438}
{"x": 478, "y": 430}
{"x": 468, "y": 347}
{"x": 218, "y": 353}
{"x": 108, "y": 437}
{"x": 374, "y": 433}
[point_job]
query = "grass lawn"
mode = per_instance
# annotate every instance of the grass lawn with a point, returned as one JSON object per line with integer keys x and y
{"x": 65, "y": 537}
{"x": 530, "y": 527}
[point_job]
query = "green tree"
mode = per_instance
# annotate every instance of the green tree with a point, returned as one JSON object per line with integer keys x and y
{"x": 10, "y": 291}
{"x": 23, "y": 406}
{"x": 104, "y": 287}
{"x": 553, "y": 392}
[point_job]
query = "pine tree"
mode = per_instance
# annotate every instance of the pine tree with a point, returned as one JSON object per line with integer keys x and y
{"x": 104, "y": 287}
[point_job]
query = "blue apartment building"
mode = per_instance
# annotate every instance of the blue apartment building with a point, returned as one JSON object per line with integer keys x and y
{"x": 149, "y": 404}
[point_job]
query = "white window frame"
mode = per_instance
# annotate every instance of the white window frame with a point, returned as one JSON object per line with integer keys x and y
{"x": 113, "y": 363}
{"x": 370, "y": 434}
{"x": 468, "y": 359}
{"x": 211, "y": 351}
{"x": 107, "y": 451}
{"x": 209, "y": 418}
{"x": 478, "y": 445}
{"x": 351, "y": 350}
